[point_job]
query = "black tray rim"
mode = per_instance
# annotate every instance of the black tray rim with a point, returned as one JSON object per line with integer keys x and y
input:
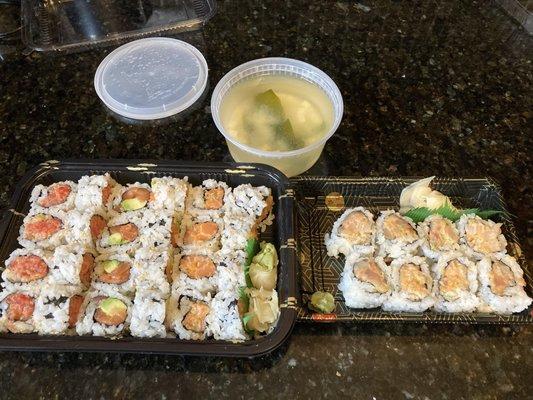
{"x": 174, "y": 346}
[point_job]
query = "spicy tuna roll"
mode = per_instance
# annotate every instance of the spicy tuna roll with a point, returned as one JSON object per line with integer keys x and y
{"x": 364, "y": 281}
{"x": 94, "y": 193}
{"x": 439, "y": 235}
{"x": 17, "y": 311}
{"x": 148, "y": 314}
{"x": 104, "y": 314}
{"x": 72, "y": 265}
{"x": 27, "y": 269}
{"x": 412, "y": 285}
{"x": 456, "y": 283}
{"x": 45, "y": 231}
{"x": 396, "y": 234}
{"x": 57, "y": 309}
{"x": 352, "y": 232}
{"x": 480, "y": 237}
{"x": 57, "y": 197}
{"x": 501, "y": 285}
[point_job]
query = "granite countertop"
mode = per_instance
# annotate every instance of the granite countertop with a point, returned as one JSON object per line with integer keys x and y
{"x": 429, "y": 88}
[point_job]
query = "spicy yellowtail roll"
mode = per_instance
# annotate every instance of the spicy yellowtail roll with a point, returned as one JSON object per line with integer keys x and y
{"x": 57, "y": 309}
{"x": 148, "y": 314}
{"x": 121, "y": 235}
{"x": 439, "y": 235}
{"x": 396, "y": 234}
{"x": 456, "y": 283}
{"x": 45, "y": 231}
{"x": 169, "y": 195}
{"x": 84, "y": 229}
{"x": 480, "y": 237}
{"x": 501, "y": 285}
{"x": 27, "y": 269}
{"x": 353, "y": 232}
{"x": 104, "y": 314}
{"x": 132, "y": 198}
{"x": 411, "y": 285}
{"x": 17, "y": 310}
{"x": 364, "y": 281}
{"x": 56, "y": 197}
{"x": 72, "y": 265}
{"x": 114, "y": 272}
{"x": 188, "y": 317}
{"x": 208, "y": 198}
{"x": 94, "y": 193}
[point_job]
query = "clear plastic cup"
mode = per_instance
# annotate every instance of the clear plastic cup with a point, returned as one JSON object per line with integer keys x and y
{"x": 293, "y": 162}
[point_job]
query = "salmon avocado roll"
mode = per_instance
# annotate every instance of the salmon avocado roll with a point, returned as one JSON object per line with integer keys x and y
{"x": 104, "y": 314}
{"x": 131, "y": 198}
{"x": 114, "y": 272}
{"x": 121, "y": 235}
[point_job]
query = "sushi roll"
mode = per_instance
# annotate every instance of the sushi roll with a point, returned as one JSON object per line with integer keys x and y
{"x": 132, "y": 198}
{"x": 56, "y": 197}
{"x": 17, "y": 311}
{"x": 396, "y": 235}
{"x": 72, "y": 265}
{"x": 254, "y": 201}
{"x": 480, "y": 237}
{"x": 412, "y": 285}
{"x": 208, "y": 198}
{"x": 169, "y": 195}
{"x": 45, "y": 231}
{"x": 148, "y": 314}
{"x": 364, "y": 281}
{"x": 27, "y": 269}
{"x": 201, "y": 234}
{"x": 85, "y": 229}
{"x": 230, "y": 270}
{"x": 195, "y": 275}
{"x": 104, "y": 314}
{"x": 153, "y": 269}
{"x": 225, "y": 319}
{"x": 501, "y": 285}
{"x": 189, "y": 318}
{"x": 353, "y": 232}
{"x": 122, "y": 235}
{"x": 237, "y": 230}
{"x": 455, "y": 284}
{"x": 439, "y": 235}
{"x": 94, "y": 193}
{"x": 57, "y": 309}
{"x": 156, "y": 229}
{"x": 114, "y": 273}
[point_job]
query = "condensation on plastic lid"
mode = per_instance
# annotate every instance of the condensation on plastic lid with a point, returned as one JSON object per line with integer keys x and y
{"x": 151, "y": 78}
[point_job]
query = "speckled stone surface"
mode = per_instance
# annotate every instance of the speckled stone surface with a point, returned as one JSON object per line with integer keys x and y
{"x": 429, "y": 88}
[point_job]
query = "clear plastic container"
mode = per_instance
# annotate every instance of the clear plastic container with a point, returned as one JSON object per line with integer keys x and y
{"x": 293, "y": 162}
{"x": 76, "y": 25}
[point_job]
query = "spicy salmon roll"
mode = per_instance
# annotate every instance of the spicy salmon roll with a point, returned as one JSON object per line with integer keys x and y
{"x": 57, "y": 309}
{"x": 17, "y": 311}
{"x": 188, "y": 318}
{"x": 169, "y": 194}
{"x": 58, "y": 197}
{"x": 396, "y": 235}
{"x": 501, "y": 285}
{"x": 114, "y": 272}
{"x": 132, "y": 198}
{"x": 455, "y": 284}
{"x": 438, "y": 235}
{"x": 85, "y": 229}
{"x": 352, "y": 232}
{"x": 45, "y": 231}
{"x": 94, "y": 193}
{"x": 412, "y": 285}
{"x": 72, "y": 265}
{"x": 27, "y": 269}
{"x": 209, "y": 197}
{"x": 148, "y": 314}
{"x": 480, "y": 237}
{"x": 225, "y": 319}
{"x": 122, "y": 235}
{"x": 364, "y": 281}
{"x": 104, "y": 314}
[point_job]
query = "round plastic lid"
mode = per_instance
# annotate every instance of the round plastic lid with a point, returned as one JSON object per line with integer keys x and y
{"x": 151, "y": 78}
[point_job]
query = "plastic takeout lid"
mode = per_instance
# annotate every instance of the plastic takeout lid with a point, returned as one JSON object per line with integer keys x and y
{"x": 151, "y": 78}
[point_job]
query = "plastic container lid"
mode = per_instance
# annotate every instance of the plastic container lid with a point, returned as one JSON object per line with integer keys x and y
{"x": 151, "y": 78}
